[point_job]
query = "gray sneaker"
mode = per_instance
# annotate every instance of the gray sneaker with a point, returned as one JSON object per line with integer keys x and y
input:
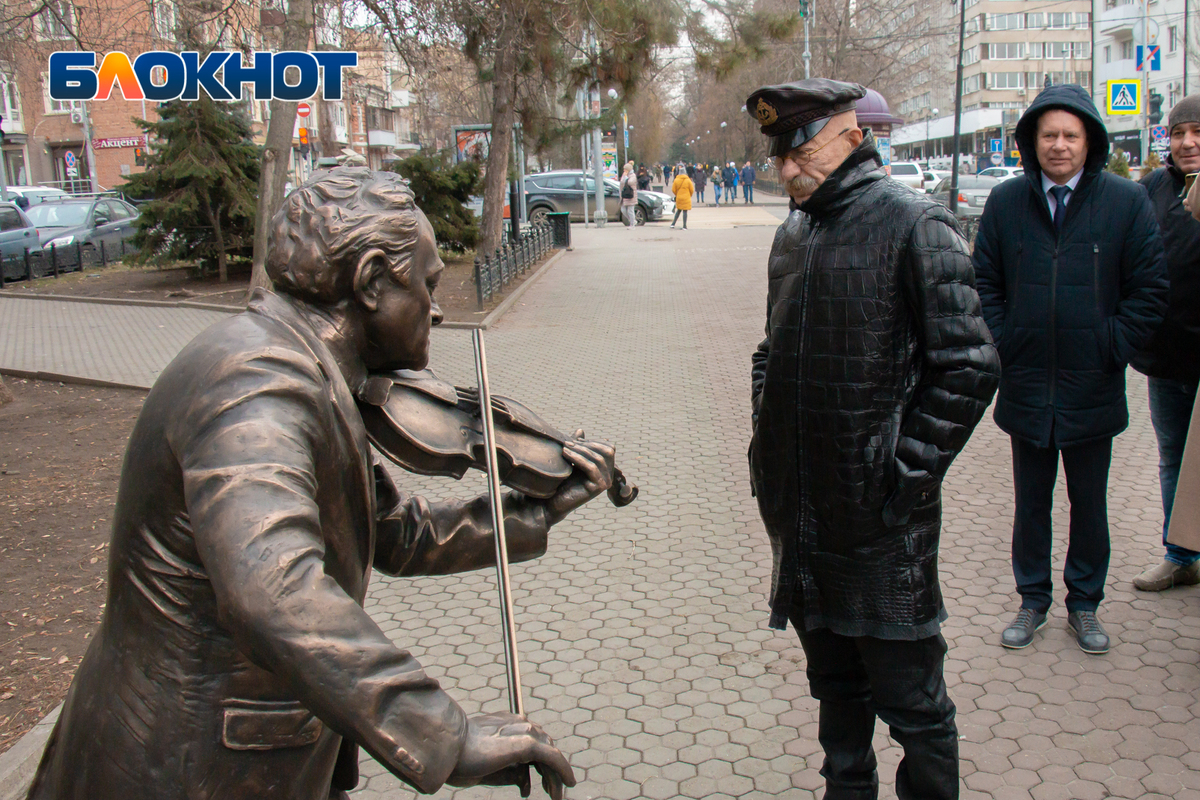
{"x": 1166, "y": 575}
{"x": 1088, "y": 632}
{"x": 1019, "y": 633}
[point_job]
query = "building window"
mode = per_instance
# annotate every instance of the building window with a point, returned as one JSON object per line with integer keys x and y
{"x": 970, "y": 55}
{"x": 1127, "y": 49}
{"x": 164, "y": 19}
{"x": 56, "y": 21}
{"x": 1083, "y": 20}
{"x": 1007, "y": 50}
{"x": 12, "y": 98}
{"x": 972, "y": 26}
{"x": 1108, "y": 54}
{"x": 1035, "y": 21}
{"x": 1172, "y": 39}
{"x": 1058, "y": 20}
{"x": 1006, "y": 80}
{"x": 1005, "y": 22}
{"x": 57, "y": 106}
{"x": 972, "y": 83}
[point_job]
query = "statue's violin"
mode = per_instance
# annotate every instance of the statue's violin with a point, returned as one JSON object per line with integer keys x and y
{"x": 431, "y": 427}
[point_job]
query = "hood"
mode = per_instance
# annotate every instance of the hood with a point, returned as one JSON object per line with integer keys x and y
{"x": 1068, "y": 97}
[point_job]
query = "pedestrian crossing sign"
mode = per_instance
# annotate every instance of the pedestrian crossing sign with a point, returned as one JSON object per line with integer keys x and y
{"x": 1124, "y": 97}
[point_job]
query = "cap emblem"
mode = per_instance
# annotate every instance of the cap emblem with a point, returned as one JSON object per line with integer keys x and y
{"x": 766, "y": 113}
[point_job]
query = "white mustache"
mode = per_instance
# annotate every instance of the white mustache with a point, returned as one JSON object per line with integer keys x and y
{"x": 802, "y": 185}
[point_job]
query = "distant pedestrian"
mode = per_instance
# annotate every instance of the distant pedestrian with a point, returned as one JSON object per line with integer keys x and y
{"x": 1172, "y": 359}
{"x": 718, "y": 181}
{"x": 683, "y": 188}
{"x": 730, "y": 176}
{"x": 749, "y": 176}
{"x": 1071, "y": 274}
{"x": 643, "y": 179}
{"x": 629, "y": 198}
{"x": 701, "y": 180}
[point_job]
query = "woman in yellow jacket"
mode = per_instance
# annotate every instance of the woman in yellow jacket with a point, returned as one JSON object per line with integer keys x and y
{"x": 683, "y": 188}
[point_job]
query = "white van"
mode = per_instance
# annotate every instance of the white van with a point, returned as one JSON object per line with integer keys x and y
{"x": 909, "y": 173}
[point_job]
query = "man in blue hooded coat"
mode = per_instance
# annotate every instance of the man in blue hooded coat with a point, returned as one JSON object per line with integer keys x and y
{"x": 1072, "y": 277}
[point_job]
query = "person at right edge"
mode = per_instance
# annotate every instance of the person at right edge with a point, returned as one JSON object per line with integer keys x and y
{"x": 876, "y": 368}
{"x": 1073, "y": 281}
{"x": 1172, "y": 359}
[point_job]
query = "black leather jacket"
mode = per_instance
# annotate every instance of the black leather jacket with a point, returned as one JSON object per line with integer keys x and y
{"x": 876, "y": 368}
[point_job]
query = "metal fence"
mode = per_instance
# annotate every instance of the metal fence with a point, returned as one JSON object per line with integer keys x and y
{"x": 510, "y": 261}
{"x": 54, "y": 261}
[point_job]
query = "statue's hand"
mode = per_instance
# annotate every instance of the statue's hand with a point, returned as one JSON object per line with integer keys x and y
{"x": 499, "y": 750}
{"x": 595, "y": 463}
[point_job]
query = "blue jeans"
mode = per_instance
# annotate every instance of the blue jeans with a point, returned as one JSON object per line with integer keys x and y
{"x": 1171, "y": 404}
{"x": 717, "y": 192}
{"x": 748, "y": 192}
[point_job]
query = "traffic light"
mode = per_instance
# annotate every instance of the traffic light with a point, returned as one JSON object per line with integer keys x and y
{"x": 803, "y": 8}
{"x": 304, "y": 140}
{"x": 139, "y": 156}
{"x": 1156, "y": 114}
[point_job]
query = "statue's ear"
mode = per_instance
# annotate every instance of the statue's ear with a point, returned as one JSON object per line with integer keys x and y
{"x": 369, "y": 275}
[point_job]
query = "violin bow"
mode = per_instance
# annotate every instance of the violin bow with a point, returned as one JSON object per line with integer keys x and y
{"x": 515, "y": 702}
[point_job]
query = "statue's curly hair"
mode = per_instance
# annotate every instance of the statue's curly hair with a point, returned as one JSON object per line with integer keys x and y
{"x": 326, "y": 224}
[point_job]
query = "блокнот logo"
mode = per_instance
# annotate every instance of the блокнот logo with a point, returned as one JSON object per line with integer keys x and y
{"x": 73, "y": 75}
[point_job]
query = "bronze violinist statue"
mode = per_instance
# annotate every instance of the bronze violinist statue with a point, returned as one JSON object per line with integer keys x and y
{"x": 235, "y": 660}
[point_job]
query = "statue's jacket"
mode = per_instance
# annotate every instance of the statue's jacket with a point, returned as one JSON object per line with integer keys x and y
{"x": 235, "y": 660}
{"x": 876, "y": 367}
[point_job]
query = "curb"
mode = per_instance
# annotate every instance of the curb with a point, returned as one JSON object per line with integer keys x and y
{"x": 20, "y": 762}
{"x": 78, "y": 380}
{"x": 120, "y": 301}
{"x": 499, "y": 311}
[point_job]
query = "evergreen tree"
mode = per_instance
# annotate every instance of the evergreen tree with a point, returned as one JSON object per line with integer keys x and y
{"x": 441, "y": 192}
{"x": 201, "y": 181}
{"x": 1118, "y": 164}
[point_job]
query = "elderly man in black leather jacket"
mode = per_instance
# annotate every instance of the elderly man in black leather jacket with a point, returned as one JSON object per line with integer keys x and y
{"x": 876, "y": 368}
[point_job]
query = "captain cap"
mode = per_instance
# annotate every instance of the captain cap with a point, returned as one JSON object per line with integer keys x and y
{"x": 792, "y": 113}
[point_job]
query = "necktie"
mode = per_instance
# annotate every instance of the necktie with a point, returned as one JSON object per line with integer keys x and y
{"x": 1060, "y": 205}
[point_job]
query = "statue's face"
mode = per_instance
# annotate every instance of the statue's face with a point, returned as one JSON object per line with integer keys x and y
{"x": 398, "y": 328}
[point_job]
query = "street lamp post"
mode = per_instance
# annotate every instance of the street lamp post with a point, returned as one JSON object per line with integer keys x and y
{"x": 933, "y": 113}
{"x": 724, "y": 145}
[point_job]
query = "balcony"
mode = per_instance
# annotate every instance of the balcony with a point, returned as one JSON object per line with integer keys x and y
{"x": 1118, "y": 21}
{"x": 381, "y": 138}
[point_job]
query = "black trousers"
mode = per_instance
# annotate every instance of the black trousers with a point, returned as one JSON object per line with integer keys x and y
{"x": 857, "y": 679}
{"x": 1034, "y": 473}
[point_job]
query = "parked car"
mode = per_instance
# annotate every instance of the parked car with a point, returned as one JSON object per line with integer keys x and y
{"x": 932, "y": 177}
{"x": 973, "y": 191}
{"x": 87, "y": 222}
{"x": 563, "y": 190}
{"x": 36, "y": 194}
{"x": 17, "y": 235}
{"x": 1003, "y": 173}
{"x": 909, "y": 173}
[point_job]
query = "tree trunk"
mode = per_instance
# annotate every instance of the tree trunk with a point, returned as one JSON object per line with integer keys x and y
{"x": 504, "y": 98}
{"x": 6, "y": 395}
{"x": 214, "y": 219}
{"x": 277, "y": 151}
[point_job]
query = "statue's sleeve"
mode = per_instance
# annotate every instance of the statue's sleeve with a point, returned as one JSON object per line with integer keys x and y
{"x": 417, "y": 537}
{"x": 248, "y": 447}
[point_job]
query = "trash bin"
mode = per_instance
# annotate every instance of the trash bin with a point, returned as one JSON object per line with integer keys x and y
{"x": 560, "y": 228}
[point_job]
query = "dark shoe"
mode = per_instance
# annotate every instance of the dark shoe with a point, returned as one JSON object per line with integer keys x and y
{"x": 1019, "y": 633}
{"x": 1166, "y": 575}
{"x": 1088, "y": 632}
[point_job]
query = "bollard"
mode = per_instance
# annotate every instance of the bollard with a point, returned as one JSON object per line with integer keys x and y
{"x": 478, "y": 285}
{"x": 103, "y": 259}
{"x": 53, "y": 260}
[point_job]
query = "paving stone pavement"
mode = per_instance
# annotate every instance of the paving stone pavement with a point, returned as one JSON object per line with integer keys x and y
{"x": 642, "y": 632}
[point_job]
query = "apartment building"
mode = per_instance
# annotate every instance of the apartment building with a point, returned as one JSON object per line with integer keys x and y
{"x": 44, "y": 136}
{"x": 1170, "y": 25}
{"x": 1011, "y": 50}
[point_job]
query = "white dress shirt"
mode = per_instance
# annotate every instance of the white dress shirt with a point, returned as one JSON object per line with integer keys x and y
{"x": 1047, "y": 184}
